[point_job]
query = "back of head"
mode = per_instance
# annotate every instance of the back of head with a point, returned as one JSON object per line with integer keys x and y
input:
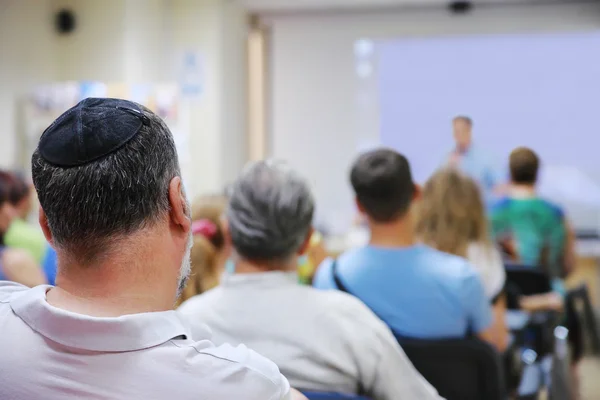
{"x": 19, "y": 187}
{"x": 270, "y": 212}
{"x": 383, "y": 184}
{"x": 463, "y": 119}
{"x": 209, "y": 242}
{"x": 451, "y": 213}
{"x": 102, "y": 172}
{"x": 524, "y": 165}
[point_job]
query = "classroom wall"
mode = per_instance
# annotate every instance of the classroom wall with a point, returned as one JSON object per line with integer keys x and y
{"x": 135, "y": 41}
{"x": 315, "y": 94}
{"x": 27, "y": 56}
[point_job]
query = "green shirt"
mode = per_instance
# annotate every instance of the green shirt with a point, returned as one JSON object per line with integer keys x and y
{"x": 537, "y": 229}
{"x": 21, "y": 235}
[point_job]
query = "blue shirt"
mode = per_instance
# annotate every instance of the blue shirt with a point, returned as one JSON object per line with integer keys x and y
{"x": 477, "y": 165}
{"x": 418, "y": 291}
{"x": 49, "y": 265}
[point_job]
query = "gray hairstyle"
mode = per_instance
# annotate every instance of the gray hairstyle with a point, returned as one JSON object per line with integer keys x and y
{"x": 89, "y": 205}
{"x": 270, "y": 212}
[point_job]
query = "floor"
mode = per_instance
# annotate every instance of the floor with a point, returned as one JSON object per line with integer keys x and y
{"x": 590, "y": 379}
{"x": 587, "y": 271}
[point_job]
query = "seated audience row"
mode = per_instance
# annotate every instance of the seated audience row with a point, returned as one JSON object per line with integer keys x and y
{"x": 321, "y": 340}
{"x": 114, "y": 208}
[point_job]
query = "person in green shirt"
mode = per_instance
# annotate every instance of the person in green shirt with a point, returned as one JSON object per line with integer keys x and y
{"x": 533, "y": 231}
{"x": 21, "y": 234}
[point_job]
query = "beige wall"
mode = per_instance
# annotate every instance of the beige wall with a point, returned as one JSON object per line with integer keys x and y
{"x": 135, "y": 41}
{"x": 27, "y": 57}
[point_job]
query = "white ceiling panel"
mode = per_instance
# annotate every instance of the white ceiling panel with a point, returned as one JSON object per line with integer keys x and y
{"x": 313, "y": 5}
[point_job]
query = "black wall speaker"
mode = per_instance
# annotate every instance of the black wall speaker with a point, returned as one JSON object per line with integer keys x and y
{"x": 460, "y": 7}
{"x": 65, "y": 21}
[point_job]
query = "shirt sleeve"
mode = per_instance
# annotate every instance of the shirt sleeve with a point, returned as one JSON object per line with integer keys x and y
{"x": 285, "y": 390}
{"x": 479, "y": 310}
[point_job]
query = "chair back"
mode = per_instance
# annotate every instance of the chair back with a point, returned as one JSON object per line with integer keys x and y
{"x": 331, "y": 396}
{"x": 524, "y": 281}
{"x": 460, "y": 369}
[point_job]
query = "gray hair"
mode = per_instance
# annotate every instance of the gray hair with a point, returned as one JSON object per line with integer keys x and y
{"x": 89, "y": 205}
{"x": 270, "y": 212}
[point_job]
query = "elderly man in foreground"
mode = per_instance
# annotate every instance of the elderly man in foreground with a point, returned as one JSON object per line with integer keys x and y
{"x": 112, "y": 204}
{"x": 321, "y": 341}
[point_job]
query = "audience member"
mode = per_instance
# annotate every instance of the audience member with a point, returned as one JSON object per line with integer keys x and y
{"x": 418, "y": 291}
{"x": 16, "y": 265}
{"x": 452, "y": 219}
{"x": 112, "y": 204}
{"x": 21, "y": 234}
{"x": 532, "y": 231}
{"x": 535, "y": 233}
{"x": 321, "y": 340}
{"x": 209, "y": 252}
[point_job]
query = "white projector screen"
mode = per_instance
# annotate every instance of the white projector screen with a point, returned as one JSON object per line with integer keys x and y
{"x": 536, "y": 90}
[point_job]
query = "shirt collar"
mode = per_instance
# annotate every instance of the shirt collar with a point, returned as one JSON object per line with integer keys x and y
{"x": 262, "y": 279}
{"x": 124, "y": 333}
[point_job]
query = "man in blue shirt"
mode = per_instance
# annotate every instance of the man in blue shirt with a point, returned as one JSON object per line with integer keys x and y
{"x": 471, "y": 160}
{"x": 418, "y": 291}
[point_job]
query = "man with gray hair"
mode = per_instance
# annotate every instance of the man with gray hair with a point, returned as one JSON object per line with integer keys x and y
{"x": 113, "y": 206}
{"x": 321, "y": 341}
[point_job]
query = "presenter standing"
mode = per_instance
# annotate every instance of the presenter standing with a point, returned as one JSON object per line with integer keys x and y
{"x": 472, "y": 161}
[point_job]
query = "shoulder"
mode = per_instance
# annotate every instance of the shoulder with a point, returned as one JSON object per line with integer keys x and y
{"x": 195, "y": 305}
{"x": 17, "y": 257}
{"x": 445, "y": 261}
{"x": 500, "y": 205}
{"x": 253, "y": 375}
{"x": 345, "y": 316}
{"x": 323, "y": 278}
{"x": 554, "y": 209}
{"x": 450, "y": 269}
{"x": 338, "y": 303}
{"x": 8, "y": 289}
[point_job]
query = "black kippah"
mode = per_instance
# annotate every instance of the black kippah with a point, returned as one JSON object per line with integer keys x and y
{"x": 92, "y": 129}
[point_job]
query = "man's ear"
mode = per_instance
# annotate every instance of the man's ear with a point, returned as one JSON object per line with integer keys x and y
{"x": 226, "y": 231}
{"x": 306, "y": 244}
{"x": 45, "y": 227}
{"x": 417, "y": 192}
{"x": 179, "y": 213}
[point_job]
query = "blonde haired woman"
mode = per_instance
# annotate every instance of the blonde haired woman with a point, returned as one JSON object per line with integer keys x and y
{"x": 209, "y": 253}
{"x": 452, "y": 219}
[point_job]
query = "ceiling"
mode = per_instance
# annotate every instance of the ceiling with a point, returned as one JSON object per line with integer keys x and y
{"x": 308, "y": 5}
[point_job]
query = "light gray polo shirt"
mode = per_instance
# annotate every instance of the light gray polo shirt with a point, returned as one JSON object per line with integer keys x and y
{"x": 321, "y": 340}
{"x": 52, "y": 354}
